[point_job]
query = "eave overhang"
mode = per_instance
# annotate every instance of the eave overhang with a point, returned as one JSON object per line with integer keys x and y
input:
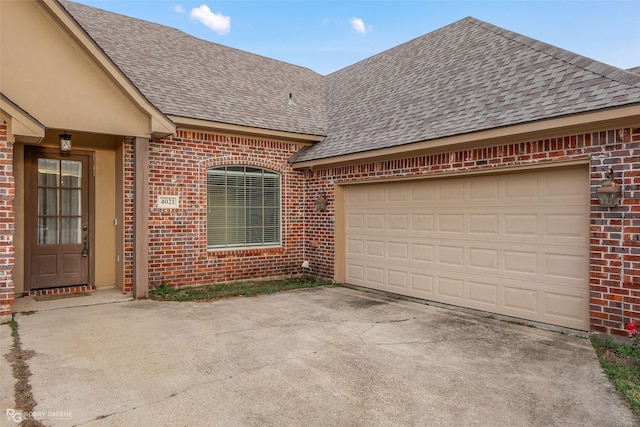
{"x": 212, "y": 126}
{"x": 22, "y": 127}
{"x": 614, "y": 118}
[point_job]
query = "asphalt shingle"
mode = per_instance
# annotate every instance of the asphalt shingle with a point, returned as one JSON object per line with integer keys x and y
{"x": 468, "y": 76}
{"x": 189, "y": 77}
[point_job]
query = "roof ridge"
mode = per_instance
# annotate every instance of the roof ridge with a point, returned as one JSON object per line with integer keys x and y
{"x": 588, "y": 64}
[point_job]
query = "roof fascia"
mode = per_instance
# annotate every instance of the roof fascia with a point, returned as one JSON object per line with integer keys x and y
{"x": 159, "y": 124}
{"x": 22, "y": 126}
{"x": 563, "y": 126}
{"x": 207, "y": 125}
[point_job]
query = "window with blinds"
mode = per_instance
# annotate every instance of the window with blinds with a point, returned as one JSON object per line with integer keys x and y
{"x": 243, "y": 207}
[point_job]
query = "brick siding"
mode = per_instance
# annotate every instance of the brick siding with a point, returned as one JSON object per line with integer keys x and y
{"x": 615, "y": 233}
{"x": 178, "y": 252}
{"x": 7, "y": 224}
{"x": 177, "y": 246}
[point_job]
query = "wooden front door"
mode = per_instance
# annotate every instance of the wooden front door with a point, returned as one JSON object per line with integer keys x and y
{"x": 57, "y": 219}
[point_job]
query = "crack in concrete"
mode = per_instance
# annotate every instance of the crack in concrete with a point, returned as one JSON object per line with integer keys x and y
{"x": 396, "y": 320}
{"x": 23, "y": 395}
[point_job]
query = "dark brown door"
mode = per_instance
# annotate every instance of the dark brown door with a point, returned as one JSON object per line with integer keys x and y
{"x": 57, "y": 219}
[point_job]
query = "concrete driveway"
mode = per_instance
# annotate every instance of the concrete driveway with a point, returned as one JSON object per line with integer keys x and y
{"x": 310, "y": 357}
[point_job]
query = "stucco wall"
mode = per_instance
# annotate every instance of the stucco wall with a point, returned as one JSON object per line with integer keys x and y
{"x": 615, "y": 233}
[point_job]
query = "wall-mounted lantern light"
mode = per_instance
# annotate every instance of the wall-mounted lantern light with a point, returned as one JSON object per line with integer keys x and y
{"x": 322, "y": 203}
{"x": 609, "y": 194}
{"x": 65, "y": 142}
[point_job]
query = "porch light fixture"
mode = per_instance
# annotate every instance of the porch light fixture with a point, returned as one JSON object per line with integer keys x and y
{"x": 65, "y": 142}
{"x": 321, "y": 203}
{"x": 609, "y": 193}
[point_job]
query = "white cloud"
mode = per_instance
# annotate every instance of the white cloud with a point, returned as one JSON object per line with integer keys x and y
{"x": 216, "y": 21}
{"x": 178, "y": 8}
{"x": 358, "y": 25}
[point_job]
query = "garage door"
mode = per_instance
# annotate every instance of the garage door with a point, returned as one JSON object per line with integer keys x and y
{"x": 515, "y": 244}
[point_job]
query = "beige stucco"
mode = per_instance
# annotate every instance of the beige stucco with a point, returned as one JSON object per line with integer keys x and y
{"x": 54, "y": 76}
{"x": 105, "y": 227}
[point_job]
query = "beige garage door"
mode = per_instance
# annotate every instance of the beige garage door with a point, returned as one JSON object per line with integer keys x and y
{"x": 515, "y": 244}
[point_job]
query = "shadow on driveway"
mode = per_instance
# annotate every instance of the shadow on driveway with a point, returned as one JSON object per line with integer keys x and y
{"x": 320, "y": 356}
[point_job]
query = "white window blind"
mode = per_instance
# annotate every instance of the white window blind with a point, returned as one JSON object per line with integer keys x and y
{"x": 243, "y": 207}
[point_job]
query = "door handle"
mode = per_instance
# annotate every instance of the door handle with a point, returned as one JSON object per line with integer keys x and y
{"x": 85, "y": 238}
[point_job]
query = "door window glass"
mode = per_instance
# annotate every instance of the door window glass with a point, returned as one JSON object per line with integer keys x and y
{"x": 59, "y": 201}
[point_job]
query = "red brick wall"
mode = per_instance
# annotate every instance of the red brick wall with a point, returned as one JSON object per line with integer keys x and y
{"x": 7, "y": 224}
{"x": 177, "y": 243}
{"x": 129, "y": 163}
{"x": 615, "y": 233}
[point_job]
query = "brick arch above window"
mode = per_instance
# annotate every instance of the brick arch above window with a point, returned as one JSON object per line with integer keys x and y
{"x": 213, "y": 162}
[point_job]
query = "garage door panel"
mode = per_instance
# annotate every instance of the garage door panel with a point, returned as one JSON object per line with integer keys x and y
{"x": 356, "y": 195}
{"x": 484, "y": 190}
{"x": 355, "y": 273}
{"x": 398, "y": 251}
{"x": 563, "y": 305}
{"x": 484, "y": 294}
{"x": 375, "y": 222}
{"x": 422, "y": 222}
{"x": 565, "y": 265}
{"x": 450, "y": 223}
{"x": 483, "y": 258}
{"x": 422, "y": 253}
{"x": 566, "y": 225}
{"x": 451, "y": 288}
{"x": 375, "y": 248}
{"x": 398, "y": 222}
{"x": 422, "y": 284}
{"x": 422, "y": 191}
{"x": 521, "y": 187}
{"x": 398, "y": 279}
{"x": 355, "y": 247}
{"x": 562, "y": 184}
{"x": 398, "y": 193}
{"x": 451, "y": 190}
{"x": 374, "y": 275}
{"x": 485, "y": 224}
{"x": 355, "y": 221}
{"x": 520, "y": 225}
{"x": 521, "y": 300}
{"x": 376, "y": 194}
{"x": 514, "y": 244}
{"x": 521, "y": 261}
{"x": 450, "y": 255}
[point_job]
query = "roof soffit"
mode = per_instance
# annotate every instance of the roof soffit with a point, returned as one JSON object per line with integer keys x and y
{"x": 22, "y": 126}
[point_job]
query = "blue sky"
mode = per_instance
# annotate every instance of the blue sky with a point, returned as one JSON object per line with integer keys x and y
{"x": 329, "y": 35}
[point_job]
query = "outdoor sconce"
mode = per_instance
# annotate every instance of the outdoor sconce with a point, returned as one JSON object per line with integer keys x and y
{"x": 321, "y": 203}
{"x": 609, "y": 193}
{"x": 65, "y": 142}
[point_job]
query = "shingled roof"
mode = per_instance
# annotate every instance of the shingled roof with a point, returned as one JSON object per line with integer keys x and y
{"x": 468, "y": 76}
{"x": 189, "y": 77}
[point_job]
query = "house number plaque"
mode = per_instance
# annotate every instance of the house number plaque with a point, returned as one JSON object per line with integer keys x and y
{"x": 168, "y": 202}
